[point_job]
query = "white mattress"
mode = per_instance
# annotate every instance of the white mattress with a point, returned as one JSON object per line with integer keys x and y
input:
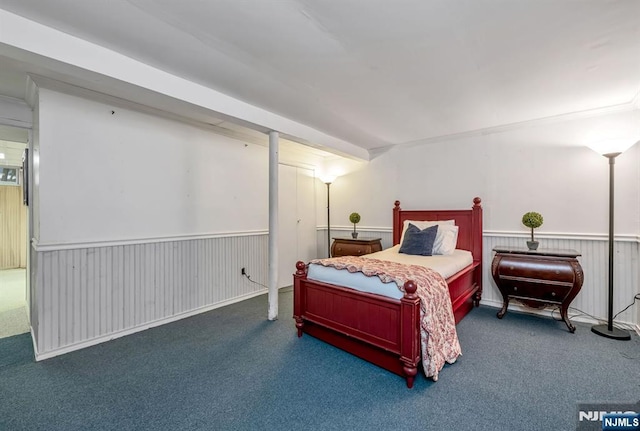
{"x": 445, "y": 265}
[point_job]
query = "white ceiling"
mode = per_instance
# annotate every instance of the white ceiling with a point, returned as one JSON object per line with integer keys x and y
{"x": 376, "y": 73}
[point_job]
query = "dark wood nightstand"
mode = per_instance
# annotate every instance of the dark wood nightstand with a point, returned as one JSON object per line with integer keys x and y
{"x": 537, "y": 278}
{"x": 354, "y": 247}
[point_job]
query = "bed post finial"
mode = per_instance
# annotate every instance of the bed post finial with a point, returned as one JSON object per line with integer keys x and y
{"x": 410, "y": 288}
{"x": 301, "y": 268}
{"x": 397, "y": 205}
{"x": 476, "y": 201}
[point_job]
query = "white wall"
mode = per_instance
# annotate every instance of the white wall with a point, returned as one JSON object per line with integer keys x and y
{"x": 368, "y": 189}
{"x": 130, "y": 175}
{"x": 528, "y": 169}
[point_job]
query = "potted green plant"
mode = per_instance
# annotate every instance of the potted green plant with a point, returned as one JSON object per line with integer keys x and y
{"x": 355, "y": 219}
{"x": 532, "y": 220}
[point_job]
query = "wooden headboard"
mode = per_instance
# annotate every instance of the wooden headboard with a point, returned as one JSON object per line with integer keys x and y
{"x": 469, "y": 223}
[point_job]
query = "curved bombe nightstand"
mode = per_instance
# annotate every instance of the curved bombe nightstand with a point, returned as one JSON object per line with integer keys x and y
{"x": 538, "y": 278}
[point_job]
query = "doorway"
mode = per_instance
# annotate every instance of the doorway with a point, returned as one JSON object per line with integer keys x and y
{"x": 13, "y": 242}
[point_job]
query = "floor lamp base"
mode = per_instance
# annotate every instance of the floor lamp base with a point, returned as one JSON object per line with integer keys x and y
{"x": 615, "y": 333}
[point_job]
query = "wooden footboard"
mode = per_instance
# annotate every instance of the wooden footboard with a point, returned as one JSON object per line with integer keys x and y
{"x": 381, "y": 330}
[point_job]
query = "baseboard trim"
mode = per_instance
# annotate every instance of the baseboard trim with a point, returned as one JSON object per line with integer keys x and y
{"x": 94, "y": 341}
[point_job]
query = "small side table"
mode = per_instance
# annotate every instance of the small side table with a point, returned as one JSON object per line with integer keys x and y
{"x": 343, "y": 246}
{"x": 538, "y": 278}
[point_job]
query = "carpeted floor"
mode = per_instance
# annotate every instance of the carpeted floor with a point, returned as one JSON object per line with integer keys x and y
{"x": 230, "y": 369}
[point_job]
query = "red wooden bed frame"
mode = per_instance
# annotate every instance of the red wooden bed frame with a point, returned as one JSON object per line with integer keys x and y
{"x": 382, "y": 330}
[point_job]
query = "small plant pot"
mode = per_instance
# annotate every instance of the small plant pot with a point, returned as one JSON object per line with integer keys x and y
{"x": 532, "y": 245}
{"x": 354, "y": 235}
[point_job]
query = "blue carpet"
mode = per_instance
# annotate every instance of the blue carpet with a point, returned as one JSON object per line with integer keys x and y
{"x": 230, "y": 369}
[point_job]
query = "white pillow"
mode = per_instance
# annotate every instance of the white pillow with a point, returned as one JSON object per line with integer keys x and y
{"x": 446, "y": 239}
{"x": 422, "y": 225}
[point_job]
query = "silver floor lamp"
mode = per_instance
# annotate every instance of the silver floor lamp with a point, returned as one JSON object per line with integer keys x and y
{"x": 611, "y": 149}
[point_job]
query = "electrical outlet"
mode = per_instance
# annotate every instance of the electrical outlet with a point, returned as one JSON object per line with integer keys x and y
{"x": 243, "y": 271}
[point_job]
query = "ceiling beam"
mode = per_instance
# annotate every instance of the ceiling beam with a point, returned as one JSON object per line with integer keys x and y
{"x": 63, "y": 57}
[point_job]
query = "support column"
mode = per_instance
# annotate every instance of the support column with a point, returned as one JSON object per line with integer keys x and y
{"x": 273, "y": 225}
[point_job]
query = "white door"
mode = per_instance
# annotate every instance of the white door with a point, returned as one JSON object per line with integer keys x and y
{"x": 296, "y": 219}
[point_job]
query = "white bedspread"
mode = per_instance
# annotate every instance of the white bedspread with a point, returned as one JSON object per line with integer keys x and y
{"x": 445, "y": 265}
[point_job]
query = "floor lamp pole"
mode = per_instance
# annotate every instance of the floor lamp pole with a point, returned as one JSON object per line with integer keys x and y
{"x": 608, "y": 330}
{"x": 328, "y": 223}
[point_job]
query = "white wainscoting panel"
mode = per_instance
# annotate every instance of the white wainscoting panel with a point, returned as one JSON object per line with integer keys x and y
{"x": 90, "y": 295}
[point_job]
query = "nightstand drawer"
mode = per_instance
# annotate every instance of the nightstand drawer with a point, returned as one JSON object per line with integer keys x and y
{"x": 351, "y": 249}
{"x": 539, "y": 291}
{"x": 355, "y": 247}
{"x": 539, "y": 269}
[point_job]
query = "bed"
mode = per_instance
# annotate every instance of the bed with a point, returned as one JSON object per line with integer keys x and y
{"x": 383, "y": 330}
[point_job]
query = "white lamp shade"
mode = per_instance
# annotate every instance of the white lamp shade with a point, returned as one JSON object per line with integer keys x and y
{"x": 328, "y": 178}
{"x": 612, "y": 146}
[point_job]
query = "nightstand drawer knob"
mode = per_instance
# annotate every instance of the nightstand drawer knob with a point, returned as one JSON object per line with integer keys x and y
{"x": 553, "y": 293}
{"x": 359, "y": 251}
{"x": 515, "y": 288}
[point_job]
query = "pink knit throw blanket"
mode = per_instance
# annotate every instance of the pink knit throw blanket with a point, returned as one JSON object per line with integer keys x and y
{"x": 438, "y": 336}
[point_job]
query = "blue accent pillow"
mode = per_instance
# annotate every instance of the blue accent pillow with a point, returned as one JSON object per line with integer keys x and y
{"x": 419, "y": 242}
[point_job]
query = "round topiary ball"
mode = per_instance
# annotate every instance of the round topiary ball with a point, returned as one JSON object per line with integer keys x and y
{"x": 532, "y": 219}
{"x": 354, "y": 218}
